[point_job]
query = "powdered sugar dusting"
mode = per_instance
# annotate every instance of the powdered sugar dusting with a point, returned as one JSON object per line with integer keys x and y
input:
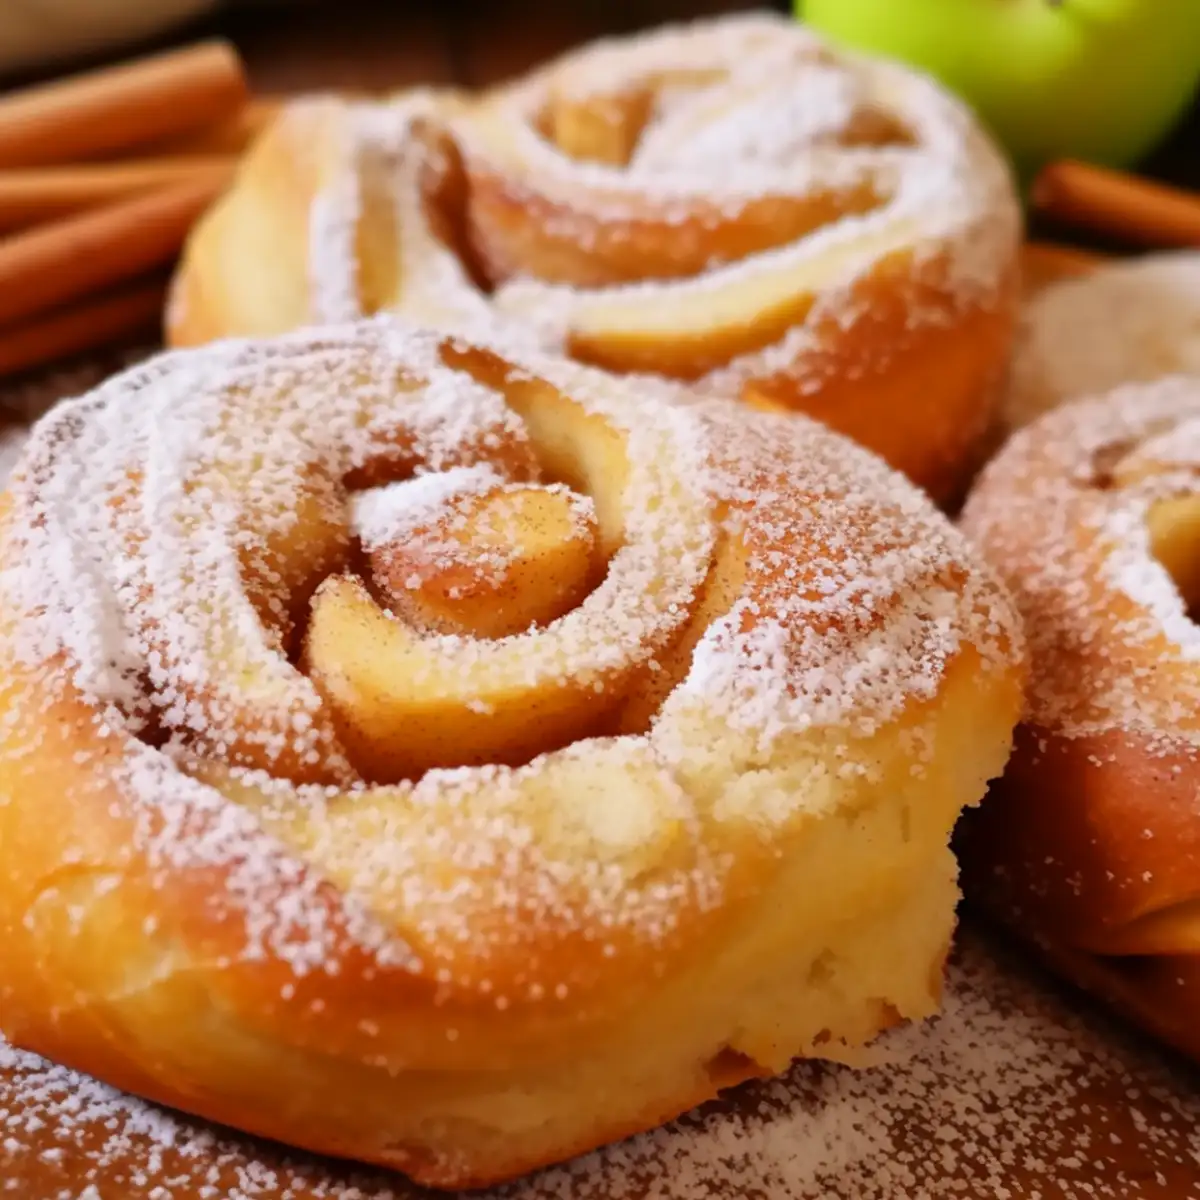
{"x": 179, "y": 540}
{"x": 373, "y": 239}
{"x": 1065, "y": 513}
{"x": 941, "y": 191}
{"x": 1149, "y": 311}
{"x": 1011, "y": 1091}
{"x": 332, "y": 253}
{"x": 388, "y": 513}
{"x": 744, "y": 111}
{"x": 201, "y": 464}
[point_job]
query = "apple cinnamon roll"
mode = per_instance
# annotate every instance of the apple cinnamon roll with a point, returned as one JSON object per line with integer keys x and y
{"x": 1088, "y": 845}
{"x": 732, "y": 203}
{"x": 455, "y": 762}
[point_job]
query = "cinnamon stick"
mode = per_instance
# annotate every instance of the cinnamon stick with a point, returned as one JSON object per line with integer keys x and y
{"x": 61, "y": 261}
{"x": 232, "y": 135}
{"x": 1047, "y": 262}
{"x": 29, "y": 197}
{"x": 1124, "y": 206}
{"x": 100, "y": 321}
{"x": 104, "y": 111}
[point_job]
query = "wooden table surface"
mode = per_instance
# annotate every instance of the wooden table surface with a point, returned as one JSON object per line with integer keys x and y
{"x": 1022, "y": 1090}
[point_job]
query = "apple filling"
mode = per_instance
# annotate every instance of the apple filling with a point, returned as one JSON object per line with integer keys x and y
{"x": 492, "y": 564}
{"x": 492, "y": 619}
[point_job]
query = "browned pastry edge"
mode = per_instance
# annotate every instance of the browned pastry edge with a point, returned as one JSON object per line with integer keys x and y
{"x": 1080, "y": 837}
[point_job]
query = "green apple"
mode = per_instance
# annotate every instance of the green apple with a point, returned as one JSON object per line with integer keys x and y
{"x": 1101, "y": 80}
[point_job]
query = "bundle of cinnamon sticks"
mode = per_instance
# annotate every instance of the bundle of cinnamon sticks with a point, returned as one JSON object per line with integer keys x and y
{"x": 101, "y": 176}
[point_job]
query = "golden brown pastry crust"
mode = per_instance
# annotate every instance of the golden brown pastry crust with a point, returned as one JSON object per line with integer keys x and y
{"x": 731, "y": 203}
{"x": 222, "y": 889}
{"x": 1090, "y": 844}
{"x": 953, "y": 1107}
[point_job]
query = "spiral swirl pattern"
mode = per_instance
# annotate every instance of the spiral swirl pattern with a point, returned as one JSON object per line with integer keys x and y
{"x": 732, "y": 203}
{"x": 383, "y": 720}
{"x": 1092, "y": 514}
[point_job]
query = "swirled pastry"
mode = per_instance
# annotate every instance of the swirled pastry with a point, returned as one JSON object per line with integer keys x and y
{"x": 1132, "y": 321}
{"x": 1090, "y": 844}
{"x": 452, "y": 764}
{"x": 731, "y": 203}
